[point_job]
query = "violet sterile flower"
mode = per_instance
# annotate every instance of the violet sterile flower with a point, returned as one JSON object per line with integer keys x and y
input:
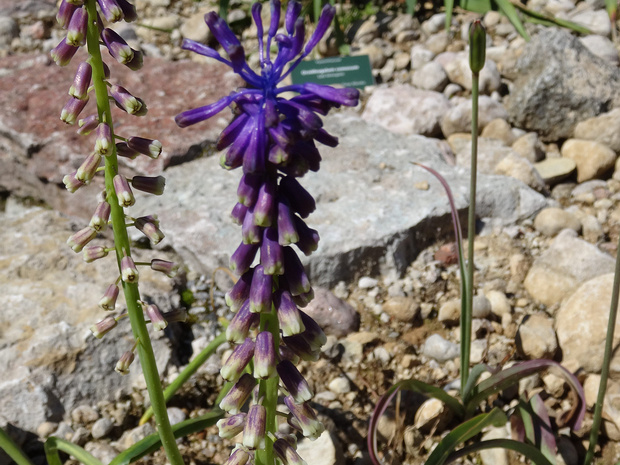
{"x": 273, "y": 140}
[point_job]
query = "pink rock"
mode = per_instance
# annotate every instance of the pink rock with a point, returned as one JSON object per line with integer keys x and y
{"x": 334, "y": 315}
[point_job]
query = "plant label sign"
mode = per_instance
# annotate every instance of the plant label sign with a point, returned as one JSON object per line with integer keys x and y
{"x": 350, "y": 71}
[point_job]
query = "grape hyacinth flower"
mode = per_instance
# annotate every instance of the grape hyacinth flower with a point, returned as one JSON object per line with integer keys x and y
{"x": 273, "y": 140}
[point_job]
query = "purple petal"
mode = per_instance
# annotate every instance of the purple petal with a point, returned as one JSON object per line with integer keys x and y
{"x": 294, "y": 382}
{"x": 238, "y": 213}
{"x": 299, "y": 198}
{"x": 189, "y": 117}
{"x": 292, "y": 13}
{"x": 327, "y": 15}
{"x": 250, "y": 232}
{"x": 242, "y": 258}
{"x": 271, "y": 253}
{"x": 249, "y": 186}
{"x": 240, "y": 291}
{"x": 261, "y": 291}
{"x": 232, "y": 131}
{"x": 288, "y": 314}
{"x": 264, "y": 210}
{"x": 298, "y": 282}
{"x": 227, "y": 40}
{"x": 264, "y": 356}
{"x": 287, "y": 233}
{"x": 242, "y": 322}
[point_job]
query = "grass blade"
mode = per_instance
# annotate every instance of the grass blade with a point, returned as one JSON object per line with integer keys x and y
{"x": 511, "y": 13}
{"x": 535, "y": 17}
{"x": 526, "y": 450}
{"x": 13, "y": 451}
{"x": 464, "y": 432}
{"x": 537, "y": 426}
{"x": 411, "y": 5}
{"x": 53, "y": 445}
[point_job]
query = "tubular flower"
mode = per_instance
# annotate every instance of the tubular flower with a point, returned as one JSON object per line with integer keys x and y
{"x": 273, "y": 140}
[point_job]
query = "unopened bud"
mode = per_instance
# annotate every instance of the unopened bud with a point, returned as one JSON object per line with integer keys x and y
{"x": 94, "y": 252}
{"x": 108, "y": 301}
{"x": 127, "y": 102}
{"x": 76, "y": 31}
{"x": 81, "y": 81}
{"x": 150, "y": 184}
{"x": 71, "y": 182}
{"x": 123, "y": 191}
{"x": 63, "y": 52}
{"x": 103, "y": 327}
{"x": 103, "y": 143}
{"x": 87, "y": 125}
{"x": 157, "y": 319}
{"x": 123, "y": 150}
{"x": 111, "y": 10}
{"x": 149, "y": 147}
{"x": 169, "y": 268}
{"x": 149, "y": 228}
{"x": 87, "y": 170}
{"x": 72, "y": 110}
{"x": 100, "y": 218}
{"x": 122, "y": 366}
{"x": 81, "y": 238}
{"x": 477, "y": 46}
{"x": 129, "y": 271}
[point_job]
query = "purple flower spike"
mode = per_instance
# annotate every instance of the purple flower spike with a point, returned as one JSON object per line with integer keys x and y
{"x": 231, "y": 426}
{"x": 227, "y": 40}
{"x": 149, "y": 147}
{"x": 118, "y": 48}
{"x": 294, "y": 382}
{"x": 298, "y": 282}
{"x": 150, "y": 184}
{"x": 238, "y": 213}
{"x": 287, "y": 453}
{"x": 264, "y": 356}
{"x": 260, "y": 291}
{"x": 127, "y": 102}
{"x": 76, "y": 31}
{"x": 299, "y": 198}
{"x": 242, "y": 322}
{"x": 238, "y": 360}
{"x": 72, "y": 110}
{"x": 308, "y": 237}
{"x": 123, "y": 191}
{"x": 304, "y": 418}
{"x": 238, "y": 394}
{"x": 81, "y": 81}
{"x": 247, "y": 191}
{"x": 111, "y": 10}
{"x": 108, "y": 301}
{"x": 240, "y": 291}
{"x": 150, "y": 229}
{"x": 197, "y": 115}
{"x": 288, "y": 314}
{"x": 88, "y": 124}
{"x": 65, "y": 13}
{"x": 254, "y": 430}
{"x": 242, "y": 258}
{"x": 271, "y": 253}
{"x": 238, "y": 456}
{"x": 81, "y": 238}
{"x": 251, "y": 233}
{"x": 265, "y": 205}
{"x": 287, "y": 232}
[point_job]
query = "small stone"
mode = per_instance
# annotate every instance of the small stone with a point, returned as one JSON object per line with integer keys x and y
{"x": 458, "y": 118}
{"x": 195, "y": 28}
{"x": 519, "y": 266}
{"x": 495, "y": 456}
{"x": 437, "y": 43}
{"x": 403, "y": 309}
{"x": 335, "y": 316}
{"x": 84, "y": 415}
{"x": 499, "y": 129}
{"x": 601, "y": 128}
{"x": 102, "y": 427}
{"x": 593, "y": 159}
{"x": 340, "y": 385}
{"x": 46, "y": 429}
{"x": 529, "y": 147}
{"x": 597, "y": 21}
{"x": 438, "y": 348}
{"x": 323, "y": 451}
{"x": 419, "y": 56}
{"x": 130, "y": 437}
{"x": 515, "y": 166}
{"x": 601, "y": 47}
{"x": 500, "y": 305}
{"x": 554, "y": 385}
{"x": 459, "y": 72}
{"x": 432, "y": 414}
{"x": 81, "y": 436}
{"x": 367, "y": 31}
{"x": 176, "y": 415}
{"x": 430, "y": 76}
{"x": 382, "y": 354}
{"x": 102, "y": 451}
{"x": 481, "y": 307}
{"x": 553, "y": 170}
{"x": 64, "y": 431}
{"x": 401, "y": 60}
{"x": 450, "y": 312}
{"x": 550, "y": 221}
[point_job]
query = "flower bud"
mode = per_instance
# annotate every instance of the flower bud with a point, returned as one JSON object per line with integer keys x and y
{"x": 88, "y": 124}
{"x": 111, "y": 10}
{"x": 129, "y": 271}
{"x": 294, "y": 382}
{"x": 308, "y": 237}
{"x": 87, "y": 170}
{"x": 265, "y": 205}
{"x": 108, "y": 301}
{"x": 149, "y": 184}
{"x": 65, "y": 13}
{"x": 122, "y": 366}
{"x": 231, "y": 426}
{"x": 264, "y": 356}
{"x": 123, "y": 150}
{"x": 136, "y": 62}
{"x": 118, "y": 48}
{"x": 271, "y": 253}
{"x": 287, "y": 233}
{"x": 81, "y": 238}
{"x": 242, "y": 258}
{"x": 103, "y": 143}
{"x": 477, "y": 46}
{"x": 287, "y": 453}
{"x": 129, "y": 11}
{"x": 81, "y": 81}
{"x": 240, "y": 325}
{"x": 149, "y": 228}
{"x": 298, "y": 282}
{"x": 63, "y": 52}
{"x": 72, "y": 110}
{"x": 289, "y": 316}
{"x": 313, "y": 332}
{"x": 237, "y": 396}
{"x": 71, "y": 182}
{"x": 238, "y": 213}
{"x": 178, "y": 315}
{"x": 299, "y": 198}
{"x": 94, "y": 252}
{"x": 100, "y": 217}
{"x": 250, "y": 232}
{"x": 238, "y": 360}
{"x": 247, "y": 191}
{"x": 127, "y": 102}
{"x": 103, "y": 327}
{"x": 149, "y": 147}
{"x": 76, "y": 31}
{"x": 240, "y": 291}
{"x": 302, "y": 348}
{"x": 169, "y": 268}
{"x": 254, "y": 430}
{"x": 238, "y": 456}
{"x": 123, "y": 191}
{"x": 304, "y": 418}
{"x": 157, "y": 320}
{"x": 260, "y": 291}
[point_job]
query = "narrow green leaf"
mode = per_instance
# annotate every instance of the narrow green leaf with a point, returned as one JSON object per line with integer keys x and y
{"x": 474, "y": 376}
{"x": 530, "y": 452}
{"x": 53, "y": 445}
{"x": 511, "y": 13}
{"x": 411, "y": 4}
{"x": 152, "y": 443}
{"x": 13, "y": 450}
{"x": 464, "y": 432}
{"x": 449, "y": 5}
{"x": 223, "y": 9}
{"x": 477, "y": 6}
{"x": 536, "y": 17}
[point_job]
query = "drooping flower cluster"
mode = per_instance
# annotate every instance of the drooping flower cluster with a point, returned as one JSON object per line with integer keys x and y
{"x": 273, "y": 139}
{"x": 82, "y": 18}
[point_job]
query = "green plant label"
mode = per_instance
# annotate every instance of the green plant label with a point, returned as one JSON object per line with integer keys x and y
{"x": 351, "y": 71}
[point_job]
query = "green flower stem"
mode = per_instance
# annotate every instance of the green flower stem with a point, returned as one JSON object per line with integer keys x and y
{"x": 471, "y": 232}
{"x": 12, "y": 449}
{"x": 187, "y": 373}
{"x": 122, "y": 246}
{"x": 53, "y": 445}
{"x": 268, "y": 390}
{"x": 609, "y": 348}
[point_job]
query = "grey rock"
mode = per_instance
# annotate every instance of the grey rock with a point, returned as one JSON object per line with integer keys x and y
{"x": 581, "y": 324}
{"x": 554, "y": 73}
{"x": 402, "y": 308}
{"x": 102, "y": 427}
{"x": 481, "y": 307}
{"x": 195, "y": 28}
{"x": 176, "y": 415}
{"x": 8, "y": 30}
{"x": 450, "y": 311}
{"x": 595, "y": 20}
{"x": 339, "y": 385}
{"x": 81, "y": 436}
{"x": 334, "y": 315}
{"x": 497, "y": 456}
{"x": 499, "y": 129}
{"x": 515, "y": 166}
{"x": 567, "y": 263}
{"x": 554, "y": 170}
{"x": 438, "y": 348}
{"x": 84, "y": 414}
{"x": 430, "y": 76}
{"x": 432, "y": 414}
{"x": 130, "y": 437}
{"x": 419, "y": 110}
{"x": 323, "y": 451}
{"x": 500, "y": 304}
{"x": 102, "y": 451}
{"x": 458, "y": 118}
{"x": 367, "y": 31}
{"x": 490, "y": 152}
{"x": 437, "y": 43}
{"x": 592, "y": 158}
{"x": 601, "y": 128}
{"x": 420, "y": 56}
{"x": 602, "y": 47}
{"x": 64, "y": 431}
{"x": 536, "y": 338}
{"x": 377, "y": 52}
{"x": 363, "y": 179}
{"x": 459, "y": 72}
{"x": 529, "y": 147}
{"x": 550, "y": 221}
